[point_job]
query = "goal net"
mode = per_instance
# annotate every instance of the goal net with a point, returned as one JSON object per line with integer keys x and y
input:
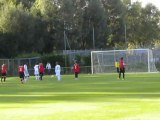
{"x": 136, "y": 60}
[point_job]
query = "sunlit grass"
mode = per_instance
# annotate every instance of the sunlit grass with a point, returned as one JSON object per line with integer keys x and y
{"x": 92, "y": 97}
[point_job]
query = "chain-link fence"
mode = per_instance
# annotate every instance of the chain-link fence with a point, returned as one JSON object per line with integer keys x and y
{"x": 156, "y": 56}
{"x": 12, "y": 64}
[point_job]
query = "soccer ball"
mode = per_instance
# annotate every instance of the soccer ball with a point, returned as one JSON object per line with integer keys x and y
{"x": 52, "y": 76}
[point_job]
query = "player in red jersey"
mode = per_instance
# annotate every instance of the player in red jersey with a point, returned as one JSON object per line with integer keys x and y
{"x": 76, "y": 69}
{"x": 21, "y": 72}
{"x": 122, "y": 68}
{"x": 41, "y": 70}
{"x": 4, "y": 72}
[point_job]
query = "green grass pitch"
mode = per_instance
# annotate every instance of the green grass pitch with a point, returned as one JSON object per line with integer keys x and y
{"x": 92, "y": 97}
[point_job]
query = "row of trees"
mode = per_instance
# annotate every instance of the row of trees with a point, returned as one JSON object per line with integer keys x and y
{"x": 43, "y": 26}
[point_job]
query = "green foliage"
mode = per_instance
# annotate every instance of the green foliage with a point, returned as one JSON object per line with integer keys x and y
{"x": 87, "y": 60}
{"x": 157, "y": 65}
{"x": 78, "y": 58}
{"x": 142, "y": 25}
{"x": 43, "y": 26}
{"x": 28, "y": 55}
{"x": 55, "y": 58}
{"x": 83, "y": 60}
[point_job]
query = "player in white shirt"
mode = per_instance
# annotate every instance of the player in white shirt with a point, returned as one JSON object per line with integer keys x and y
{"x": 48, "y": 67}
{"x": 26, "y": 73}
{"x": 36, "y": 71}
{"x": 58, "y": 71}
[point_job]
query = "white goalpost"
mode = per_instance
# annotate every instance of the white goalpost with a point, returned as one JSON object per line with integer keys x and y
{"x": 136, "y": 60}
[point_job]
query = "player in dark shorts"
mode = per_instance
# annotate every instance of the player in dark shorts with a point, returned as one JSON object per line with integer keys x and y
{"x": 41, "y": 70}
{"x": 3, "y": 72}
{"x": 121, "y": 68}
{"x": 21, "y": 73}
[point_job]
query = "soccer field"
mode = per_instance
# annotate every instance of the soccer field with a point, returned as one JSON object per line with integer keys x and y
{"x": 92, "y": 97}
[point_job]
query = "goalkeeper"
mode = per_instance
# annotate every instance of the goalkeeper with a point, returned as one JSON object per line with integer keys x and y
{"x": 117, "y": 65}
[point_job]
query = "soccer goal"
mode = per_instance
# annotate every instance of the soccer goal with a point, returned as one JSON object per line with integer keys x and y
{"x": 136, "y": 60}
